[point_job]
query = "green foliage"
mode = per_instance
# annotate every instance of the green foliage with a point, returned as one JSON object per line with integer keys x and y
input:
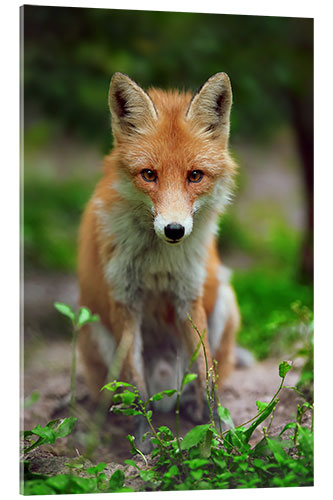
{"x": 52, "y": 210}
{"x": 270, "y": 323}
{"x": 284, "y": 368}
{"x": 67, "y": 70}
{"x": 79, "y": 319}
{"x": 194, "y": 436}
{"x": 211, "y": 459}
{"x": 55, "y": 429}
{"x": 66, "y": 310}
{"x": 224, "y": 415}
{"x": 276, "y": 306}
{"x": 38, "y": 484}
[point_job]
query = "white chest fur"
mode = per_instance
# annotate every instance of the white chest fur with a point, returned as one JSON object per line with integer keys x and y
{"x": 143, "y": 264}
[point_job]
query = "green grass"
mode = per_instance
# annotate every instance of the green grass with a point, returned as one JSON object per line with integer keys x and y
{"x": 51, "y": 216}
{"x": 269, "y": 290}
{"x": 267, "y": 298}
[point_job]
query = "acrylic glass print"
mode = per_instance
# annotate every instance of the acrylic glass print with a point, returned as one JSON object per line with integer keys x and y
{"x": 168, "y": 251}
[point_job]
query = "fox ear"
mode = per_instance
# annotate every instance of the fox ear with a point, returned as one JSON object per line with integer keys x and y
{"x": 131, "y": 107}
{"x": 210, "y": 106}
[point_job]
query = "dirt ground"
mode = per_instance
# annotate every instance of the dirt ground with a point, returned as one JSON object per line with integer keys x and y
{"x": 47, "y": 363}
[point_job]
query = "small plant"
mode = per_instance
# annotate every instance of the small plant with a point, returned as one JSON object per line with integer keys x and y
{"x": 39, "y": 484}
{"x": 47, "y": 435}
{"x": 207, "y": 458}
{"x": 78, "y": 320}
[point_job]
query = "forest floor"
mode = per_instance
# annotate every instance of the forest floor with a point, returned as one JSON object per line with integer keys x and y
{"x": 47, "y": 364}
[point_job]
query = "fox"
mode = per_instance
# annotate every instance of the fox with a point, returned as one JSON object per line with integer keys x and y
{"x": 148, "y": 256}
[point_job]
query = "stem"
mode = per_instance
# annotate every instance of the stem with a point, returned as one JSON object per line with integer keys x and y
{"x": 207, "y": 370}
{"x": 272, "y": 417}
{"x": 262, "y": 411}
{"x": 177, "y": 416}
{"x": 73, "y": 371}
{"x": 145, "y": 414}
{"x": 179, "y": 392}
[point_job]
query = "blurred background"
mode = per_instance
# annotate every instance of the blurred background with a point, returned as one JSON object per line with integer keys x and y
{"x": 266, "y": 235}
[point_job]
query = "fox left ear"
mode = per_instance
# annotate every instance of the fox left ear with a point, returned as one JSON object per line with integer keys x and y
{"x": 210, "y": 106}
{"x": 131, "y": 107}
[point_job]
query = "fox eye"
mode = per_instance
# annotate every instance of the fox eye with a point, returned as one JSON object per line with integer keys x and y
{"x": 148, "y": 175}
{"x": 195, "y": 176}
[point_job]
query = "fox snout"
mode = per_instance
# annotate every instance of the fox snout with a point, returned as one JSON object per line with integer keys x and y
{"x": 175, "y": 231}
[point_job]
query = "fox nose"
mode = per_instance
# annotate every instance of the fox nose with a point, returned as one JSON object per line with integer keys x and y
{"x": 174, "y": 231}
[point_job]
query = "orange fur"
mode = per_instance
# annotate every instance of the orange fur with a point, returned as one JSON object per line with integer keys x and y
{"x": 154, "y": 132}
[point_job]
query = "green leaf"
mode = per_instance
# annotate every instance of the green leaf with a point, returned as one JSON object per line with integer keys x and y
{"x": 224, "y": 415}
{"x": 59, "y": 482}
{"x": 37, "y": 487}
{"x": 197, "y": 474}
{"x": 165, "y": 433}
{"x": 236, "y": 438}
{"x": 189, "y": 377}
{"x": 127, "y": 397}
{"x": 82, "y": 485}
{"x": 128, "y": 461}
{"x": 284, "y": 368}
{"x": 116, "y": 480}
{"x": 305, "y": 441}
{"x": 65, "y": 427}
{"x": 195, "y": 463}
{"x": 220, "y": 462}
{"x": 86, "y": 316}
{"x": 54, "y": 429}
{"x": 113, "y": 386}
{"x": 31, "y": 400}
{"x": 131, "y": 440}
{"x": 277, "y": 450}
{"x": 173, "y": 471}
{"x": 98, "y": 468}
{"x": 291, "y": 425}
{"x": 66, "y": 310}
{"x": 194, "y": 436}
{"x": 261, "y": 405}
{"x": 206, "y": 444}
{"x": 147, "y": 475}
{"x": 159, "y": 395}
{"x": 48, "y": 434}
{"x": 268, "y": 410}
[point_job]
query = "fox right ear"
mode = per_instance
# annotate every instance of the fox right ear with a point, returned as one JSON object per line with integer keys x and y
{"x": 210, "y": 106}
{"x": 131, "y": 107}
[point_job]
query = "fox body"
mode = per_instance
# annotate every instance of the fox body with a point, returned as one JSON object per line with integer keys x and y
{"x": 147, "y": 248}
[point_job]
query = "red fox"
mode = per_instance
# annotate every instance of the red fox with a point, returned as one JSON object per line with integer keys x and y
{"x": 148, "y": 255}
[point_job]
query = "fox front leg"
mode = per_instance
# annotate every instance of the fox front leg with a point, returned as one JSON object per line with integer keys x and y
{"x": 126, "y": 327}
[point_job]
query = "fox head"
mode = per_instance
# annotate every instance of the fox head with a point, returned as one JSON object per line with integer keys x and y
{"x": 172, "y": 151}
